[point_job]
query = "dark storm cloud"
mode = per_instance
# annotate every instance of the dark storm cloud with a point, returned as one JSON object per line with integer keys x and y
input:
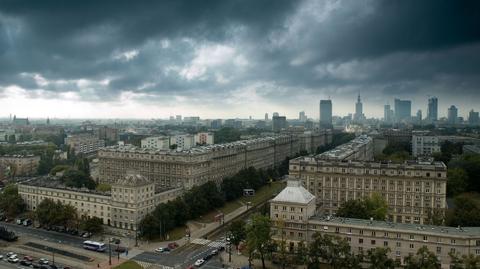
{"x": 214, "y": 48}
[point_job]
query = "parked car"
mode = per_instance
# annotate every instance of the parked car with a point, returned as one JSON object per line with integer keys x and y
{"x": 221, "y": 248}
{"x": 43, "y": 261}
{"x": 207, "y": 257}
{"x": 162, "y": 250}
{"x": 13, "y": 259}
{"x": 19, "y": 221}
{"x": 25, "y": 262}
{"x": 214, "y": 252}
{"x": 199, "y": 262}
{"x": 10, "y": 254}
{"x": 35, "y": 265}
{"x": 173, "y": 245}
{"x": 28, "y": 258}
{"x": 86, "y": 235}
{"x": 27, "y": 222}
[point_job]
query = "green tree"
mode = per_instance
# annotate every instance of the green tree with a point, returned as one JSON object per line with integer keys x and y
{"x": 377, "y": 206}
{"x": 83, "y": 165}
{"x": 353, "y": 209}
{"x": 237, "y": 231}
{"x": 332, "y": 250}
{"x": 104, "y": 187}
{"x": 301, "y": 254}
{"x": 469, "y": 261}
{"x": 259, "y": 236}
{"x": 92, "y": 225}
{"x": 78, "y": 179}
{"x": 378, "y": 259}
{"x": 466, "y": 211}
{"x": 59, "y": 168}
{"x": 424, "y": 259}
{"x": 457, "y": 181}
{"x": 374, "y": 207}
{"x": 11, "y": 203}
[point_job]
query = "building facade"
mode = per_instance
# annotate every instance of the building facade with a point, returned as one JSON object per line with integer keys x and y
{"x": 359, "y": 149}
{"x": 326, "y": 114}
{"x": 156, "y": 142}
{"x": 295, "y": 220}
{"x": 424, "y": 145}
{"x": 183, "y": 141}
{"x": 204, "y": 138}
{"x": 130, "y": 199}
{"x": 19, "y": 165}
{"x": 432, "y": 111}
{"x": 403, "y": 110}
{"x": 414, "y": 191}
{"x": 187, "y": 168}
{"x": 84, "y": 143}
{"x": 452, "y": 115}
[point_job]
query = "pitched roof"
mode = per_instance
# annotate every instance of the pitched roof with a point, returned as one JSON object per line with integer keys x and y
{"x": 294, "y": 193}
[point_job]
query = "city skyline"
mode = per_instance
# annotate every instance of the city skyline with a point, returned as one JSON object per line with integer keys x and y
{"x": 223, "y": 59}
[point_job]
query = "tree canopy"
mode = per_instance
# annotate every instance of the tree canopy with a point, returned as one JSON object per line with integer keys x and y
{"x": 11, "y": 203}
{"x": 424, "y": 259}
{"x": 373, "y": 206}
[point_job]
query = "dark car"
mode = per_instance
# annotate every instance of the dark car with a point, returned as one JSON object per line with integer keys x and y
{"x": 172, "y": 245}
{"x": 35, "y": 265}
{"x": 25, "y": 262}
{"x": 221, "y": 248}
{"x": 208, "y": 257}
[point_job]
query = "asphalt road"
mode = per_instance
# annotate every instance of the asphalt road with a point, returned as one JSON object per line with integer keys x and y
{"x": 184, "y": 256}
{"x": 50, "y": 236}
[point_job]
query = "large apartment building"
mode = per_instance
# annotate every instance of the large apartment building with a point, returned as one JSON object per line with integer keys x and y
{"x": 84, "y": 143}
{"x": 19, "y": 165}
{"x": 359, "y": 149}
{"x": 413, "y": 190}
{"x": 295, "y": 220}
{"x": 131, "y": 198}
{"x": 195, "y": 166}
{"x": 424, "y": 145}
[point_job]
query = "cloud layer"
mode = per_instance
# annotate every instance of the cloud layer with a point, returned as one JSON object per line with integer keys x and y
{"x": 236, "y": 58}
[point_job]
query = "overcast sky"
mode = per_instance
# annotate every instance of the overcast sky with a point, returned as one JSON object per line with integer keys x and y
{"x": 219, "y": 59}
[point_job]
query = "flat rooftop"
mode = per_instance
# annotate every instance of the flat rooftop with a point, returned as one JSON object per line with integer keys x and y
{"x": 55, "y": 183}
{"x": 347, "y": 149}
{"x": 384, "y": 225}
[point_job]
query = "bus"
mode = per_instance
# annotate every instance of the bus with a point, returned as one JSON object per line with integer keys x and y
{"x": 92, "y": 245}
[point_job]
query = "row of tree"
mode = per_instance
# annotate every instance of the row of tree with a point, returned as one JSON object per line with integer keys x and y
{"x": 199, "y": 200}
{"x": 50, "y": 213}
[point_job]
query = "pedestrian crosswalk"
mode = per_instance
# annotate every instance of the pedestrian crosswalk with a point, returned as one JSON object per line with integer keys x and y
{"x": 216, "y": 244}
{"x": 201, "y": 241}
{"x": 145, "y": 265}
{"x": 209, "y": 243}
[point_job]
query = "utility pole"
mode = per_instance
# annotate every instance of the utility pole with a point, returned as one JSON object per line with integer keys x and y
{"x": 109, "y": 252}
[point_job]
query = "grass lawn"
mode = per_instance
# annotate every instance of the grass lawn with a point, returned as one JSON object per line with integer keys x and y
{"x": 263, "y": 194}
{"x": 129, "y": 265}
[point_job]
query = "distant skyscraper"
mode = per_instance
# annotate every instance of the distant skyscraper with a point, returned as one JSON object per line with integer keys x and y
{"x": 419, "y": 115}
{"x": 279, "y": 123}
{"x": 473, "y": 118}
{"x": 432, "y": 111}
{"x": 452, "y": 114}
{"x": 403, "y": 110}
{"x": 302, "y": 117}
{"x": 358, "y": 116}
{"x": 387, "y": 114}
{"x": 266, "y": 116}
{"x": 326, "y": 113}
{"x": 179, "y": 117}
{"x": 275, "y": 114}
